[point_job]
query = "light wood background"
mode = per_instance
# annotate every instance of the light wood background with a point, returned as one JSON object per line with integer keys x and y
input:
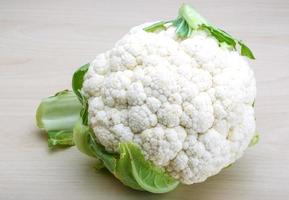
{"x": 43, "y": 42}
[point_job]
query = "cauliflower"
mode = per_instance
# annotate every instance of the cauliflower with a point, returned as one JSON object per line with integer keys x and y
{"x": 179, "y": 91}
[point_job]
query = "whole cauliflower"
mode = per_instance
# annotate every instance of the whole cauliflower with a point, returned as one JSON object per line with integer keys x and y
{"x": 186, "y": 103}
{"x": 172, "y": 101}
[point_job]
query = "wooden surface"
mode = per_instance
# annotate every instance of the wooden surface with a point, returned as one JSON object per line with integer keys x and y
{"x": 43, "y": 42}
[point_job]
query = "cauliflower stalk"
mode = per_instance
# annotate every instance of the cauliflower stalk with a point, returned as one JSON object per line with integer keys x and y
{"x": 172, "y": 102}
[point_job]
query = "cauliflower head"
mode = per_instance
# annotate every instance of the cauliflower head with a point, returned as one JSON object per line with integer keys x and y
{"x": 187, "y": 103}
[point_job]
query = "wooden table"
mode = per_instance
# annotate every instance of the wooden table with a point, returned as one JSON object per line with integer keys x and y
{"x": 43, "y": 42}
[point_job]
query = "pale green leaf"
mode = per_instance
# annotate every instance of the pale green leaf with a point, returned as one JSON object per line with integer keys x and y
{"x": 57, "y": 115}
{"x": 148, "y": 176}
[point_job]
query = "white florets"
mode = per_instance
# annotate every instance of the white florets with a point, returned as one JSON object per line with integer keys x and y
{"x": 186, "y": 103}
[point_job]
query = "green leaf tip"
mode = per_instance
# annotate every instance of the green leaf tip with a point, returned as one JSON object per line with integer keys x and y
{"x": 190, "y": 20}
{"x": 78, "y": 78}
{"x": 245, "y": 51}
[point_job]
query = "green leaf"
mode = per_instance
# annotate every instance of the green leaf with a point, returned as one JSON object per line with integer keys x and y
{"x": 59, "y": 112}
{"x": 78, "y": 78}
{"x": 60, "y": 138}
{"x": 123, "y": 169}
{"x": 159, "y": 26}
{"x": 77, "y": 82}
{"x": 224, "y": 37}
{"x": 148, "y": 176}
{"x": 245, "y": 51}
{"x": 57, "y": 115}
{"x": 84, "y": 111}
{"x": 221, "y": 36}
{"x": 254, "y": 140}
{"x": 85, "y": 141}
{"x": 108, "y": 159}
{"x": 81, "y": 138}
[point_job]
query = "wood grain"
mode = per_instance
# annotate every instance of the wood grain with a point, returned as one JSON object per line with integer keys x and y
{"x": 43, "y": 42}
